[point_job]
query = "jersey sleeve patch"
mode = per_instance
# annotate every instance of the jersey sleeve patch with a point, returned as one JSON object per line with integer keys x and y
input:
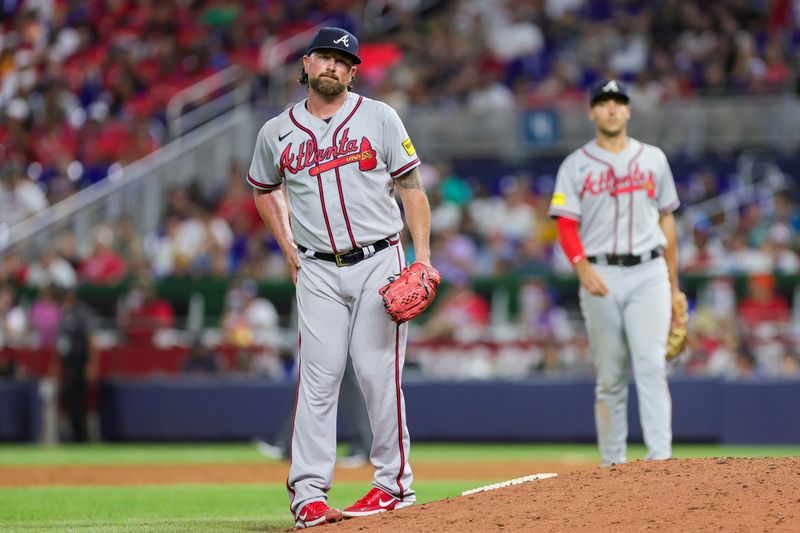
{"x": 559, "y": 199}
{"x": 409, "y": 147}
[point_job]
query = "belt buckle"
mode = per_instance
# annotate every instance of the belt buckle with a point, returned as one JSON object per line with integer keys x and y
{"x": 620, "y": 261}
{"x": 338, "y": 259}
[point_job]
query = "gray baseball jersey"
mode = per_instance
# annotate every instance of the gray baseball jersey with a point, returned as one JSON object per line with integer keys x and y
{"x": 339, "y": 177}
{"x": 336, "y": 205}
{"x": 618, "y": 200}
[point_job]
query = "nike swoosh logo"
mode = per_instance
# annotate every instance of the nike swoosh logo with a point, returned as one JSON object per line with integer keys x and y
{"x": 303, "y": 516}
{"x": 282, "y": 137}
{"x": 385, "y": 503}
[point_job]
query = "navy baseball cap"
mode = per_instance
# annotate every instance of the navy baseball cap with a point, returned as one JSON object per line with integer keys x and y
{"x": 606, "y": 89}
{"x": 336, "y": 39}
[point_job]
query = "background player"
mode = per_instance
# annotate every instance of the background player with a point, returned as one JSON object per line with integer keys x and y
{"x": 340, "y": 157}
{"x": 613, "y": 200}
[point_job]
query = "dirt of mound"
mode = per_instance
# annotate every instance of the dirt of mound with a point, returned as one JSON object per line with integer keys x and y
{"x": 30, "y": 476}
{"x": 676, "y": 495}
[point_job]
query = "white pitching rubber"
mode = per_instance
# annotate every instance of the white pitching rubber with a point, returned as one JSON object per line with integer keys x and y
{"x": 509, "y": 483}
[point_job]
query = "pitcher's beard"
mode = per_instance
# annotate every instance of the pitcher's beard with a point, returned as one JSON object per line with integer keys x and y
{"x": 327, "y": 86}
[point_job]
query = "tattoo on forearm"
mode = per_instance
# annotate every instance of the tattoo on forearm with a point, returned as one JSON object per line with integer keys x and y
{"x": 411, "y": 180}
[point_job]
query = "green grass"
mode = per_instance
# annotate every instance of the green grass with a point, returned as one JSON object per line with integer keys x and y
{"x": 173, "y": 508}
{"x": 243, "y": 508}
{"x": 16, "y": 454}
{"x": 133, "y": 508}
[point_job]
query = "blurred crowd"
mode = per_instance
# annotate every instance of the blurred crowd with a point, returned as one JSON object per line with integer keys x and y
{"x": 85, "y": 84}
{"x": 478, "y": 231}
{"x": 247, "y": 339}
{"x": 757, "y": 335}
{"x": 480, "y": 227}
{"x": 499, "y": 53}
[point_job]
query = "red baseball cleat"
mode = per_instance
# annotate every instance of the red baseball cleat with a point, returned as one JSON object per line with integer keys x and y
{"x": 316, "y": 513}
{"x": 376, "y": 501}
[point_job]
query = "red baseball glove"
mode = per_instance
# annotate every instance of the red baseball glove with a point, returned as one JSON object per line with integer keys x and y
{"x": 411, "y": 292}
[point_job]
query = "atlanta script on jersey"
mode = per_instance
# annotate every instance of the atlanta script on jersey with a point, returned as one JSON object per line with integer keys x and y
{"x": 617, "y": 198}
{"x": 339, "y": 174}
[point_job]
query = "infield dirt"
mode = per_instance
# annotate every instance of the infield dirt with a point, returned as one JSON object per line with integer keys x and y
{"x": 677, "y": 495}
{"x": 87, "y": 475}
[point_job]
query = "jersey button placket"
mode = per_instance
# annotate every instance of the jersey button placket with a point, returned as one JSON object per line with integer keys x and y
{"x": 324, "y": 140}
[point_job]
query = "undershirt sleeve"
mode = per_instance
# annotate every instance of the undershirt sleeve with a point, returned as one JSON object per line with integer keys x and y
{"x": 570, "y": 239}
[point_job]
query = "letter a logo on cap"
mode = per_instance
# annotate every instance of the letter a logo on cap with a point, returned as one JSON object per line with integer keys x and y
{"x": 611, "y": 87}
{"x": 344, "y": 40}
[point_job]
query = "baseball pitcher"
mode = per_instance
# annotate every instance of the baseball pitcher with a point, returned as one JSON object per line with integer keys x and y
{"x": 340, "y": 158}
{"x": 613, "y": 201}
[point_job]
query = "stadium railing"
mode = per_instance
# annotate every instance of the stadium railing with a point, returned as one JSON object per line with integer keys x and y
{"x": 138, "y": 191}
{"x": 758, "y": 180}
{"x": 226, "y": 90}
{"x": 693, "y": 126}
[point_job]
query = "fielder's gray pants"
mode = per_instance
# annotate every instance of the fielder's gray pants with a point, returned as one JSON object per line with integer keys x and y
{"x": 633, "y": 319}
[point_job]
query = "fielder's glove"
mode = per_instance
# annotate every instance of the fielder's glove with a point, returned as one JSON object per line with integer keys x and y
{"x": 411, "y": 292}
{"x": 679, "y": 327}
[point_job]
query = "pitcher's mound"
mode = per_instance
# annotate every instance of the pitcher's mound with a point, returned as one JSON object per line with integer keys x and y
{"x": 722, "y": 494}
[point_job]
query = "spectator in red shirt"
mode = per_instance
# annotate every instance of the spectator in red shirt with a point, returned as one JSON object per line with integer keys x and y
{"x": 140, "y": 141}
{"x": 236, "y": 200}
{"x": 762, "y": 303}
{"x": 55, "y": 142}
{"x": 143, "y": 312}
{"x": 462, "y": 315}
{"x": 103, "y": 265}
{"x": 764, "y": 316}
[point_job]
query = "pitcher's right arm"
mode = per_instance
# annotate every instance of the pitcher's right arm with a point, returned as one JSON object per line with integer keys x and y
{"x": 274, "y": 211}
